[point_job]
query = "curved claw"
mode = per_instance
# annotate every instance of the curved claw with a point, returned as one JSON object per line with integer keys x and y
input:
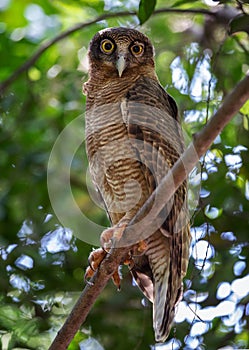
{"x": 89, "y": 282}
{"x": 116, "y": 278}
{"x": 94, "y": 260}
{"x": 106, "y": 251}
{"x": 90, "y": 263}
{"x": 88, "y": 274}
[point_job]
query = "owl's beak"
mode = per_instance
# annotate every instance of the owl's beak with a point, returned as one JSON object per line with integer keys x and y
{"x": 121, "y": 64}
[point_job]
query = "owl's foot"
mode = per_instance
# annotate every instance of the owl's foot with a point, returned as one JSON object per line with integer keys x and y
{"x": 140, "y": 248}
{"x": 107, "y": 239}
{"x": 112, "y": 235}
{"x": 94, "y": 260}
{"x": 137, "y": 250}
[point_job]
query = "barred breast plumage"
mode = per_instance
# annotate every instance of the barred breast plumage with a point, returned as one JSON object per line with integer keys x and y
{"x": 133, "y": 139}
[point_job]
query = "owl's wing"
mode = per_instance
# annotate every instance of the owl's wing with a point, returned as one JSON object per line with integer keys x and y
{"x": 152, "y": 122}
{"x": 153, "y": 127}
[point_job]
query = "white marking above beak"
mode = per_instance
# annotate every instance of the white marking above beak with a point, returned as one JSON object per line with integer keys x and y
{"x": 121, "y": 64}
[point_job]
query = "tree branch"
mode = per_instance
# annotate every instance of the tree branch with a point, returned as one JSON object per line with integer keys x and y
{"x": 46, "y": 45}
{"x": 202, "y": 141}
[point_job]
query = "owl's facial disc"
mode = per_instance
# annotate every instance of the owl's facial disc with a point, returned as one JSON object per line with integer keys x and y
{"x": 128, "y": 55}
{"x": 121, "y": 64}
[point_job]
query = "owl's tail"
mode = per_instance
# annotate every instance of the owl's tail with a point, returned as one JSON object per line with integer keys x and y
{"x": 164, "y": 308}
{"x": 167, "y": 285}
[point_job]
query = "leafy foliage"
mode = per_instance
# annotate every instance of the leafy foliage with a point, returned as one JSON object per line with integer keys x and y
{"x": 240, "y": 24}
{"x": 145, "y": 10}
{"x": 42, "y": 262}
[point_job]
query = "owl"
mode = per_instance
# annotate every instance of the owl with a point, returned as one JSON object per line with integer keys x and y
{"x": 133, "y": 138}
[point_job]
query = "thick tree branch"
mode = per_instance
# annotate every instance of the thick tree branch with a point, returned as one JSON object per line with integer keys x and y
{"x": 46, "y": 45}
{"x": 202, "y": 141}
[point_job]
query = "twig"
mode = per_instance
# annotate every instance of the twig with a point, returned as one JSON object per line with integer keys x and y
{"x": 46, "y": 45}
{"x": 190, "y": 11}
{"x": 202, "y": 141}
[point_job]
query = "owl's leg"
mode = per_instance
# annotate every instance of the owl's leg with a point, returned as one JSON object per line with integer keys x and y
{"x": 94, "y": 260}
{"x": 112, "y": 234}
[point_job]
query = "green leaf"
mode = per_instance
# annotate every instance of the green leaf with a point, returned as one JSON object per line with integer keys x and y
{"x": 245, "y": 123}
{"x": 239, "y": 24}
{"x": 79, "y": 336}
{"x": 245, "y": 108}
{"x": 145, "y": 10}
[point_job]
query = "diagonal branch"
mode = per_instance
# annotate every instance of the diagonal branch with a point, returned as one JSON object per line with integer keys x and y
{"x": 46, "y": 45}
{"x": 202, "y": 141}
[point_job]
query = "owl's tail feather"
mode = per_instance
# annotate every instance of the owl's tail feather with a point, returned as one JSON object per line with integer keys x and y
{"x": 164, "y": 306}
{"x": 167, "y": 286}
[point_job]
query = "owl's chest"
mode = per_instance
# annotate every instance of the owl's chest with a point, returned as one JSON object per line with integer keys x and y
{"x": 106, "y": 91}
{"x": 114, "y": 163}
{"x": 107, "y": 138}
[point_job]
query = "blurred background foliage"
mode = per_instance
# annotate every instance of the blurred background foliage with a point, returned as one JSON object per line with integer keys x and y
{"x": 199, "y": 59}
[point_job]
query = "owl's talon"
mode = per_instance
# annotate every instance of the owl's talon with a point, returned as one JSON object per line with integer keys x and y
{"x": 107, "y": 246}
{"x": 116, "y": 278}
{"x": 88, "y": 275}
{"x": 94, "y": 260}
{"x": 106, "y": 250}
{"x": 90, "y": 264}
{"x": 88, "y": 282}
{"x": 111, "y": 235}
{"x": 96, "y": 257}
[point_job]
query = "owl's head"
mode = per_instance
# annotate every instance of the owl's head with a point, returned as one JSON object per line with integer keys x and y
{"x": 120, "y": 52}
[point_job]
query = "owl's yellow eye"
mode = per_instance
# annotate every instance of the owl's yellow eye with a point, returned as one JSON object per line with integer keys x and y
{"x": 137, "y": 49}
{"x": 107, "y": 46}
